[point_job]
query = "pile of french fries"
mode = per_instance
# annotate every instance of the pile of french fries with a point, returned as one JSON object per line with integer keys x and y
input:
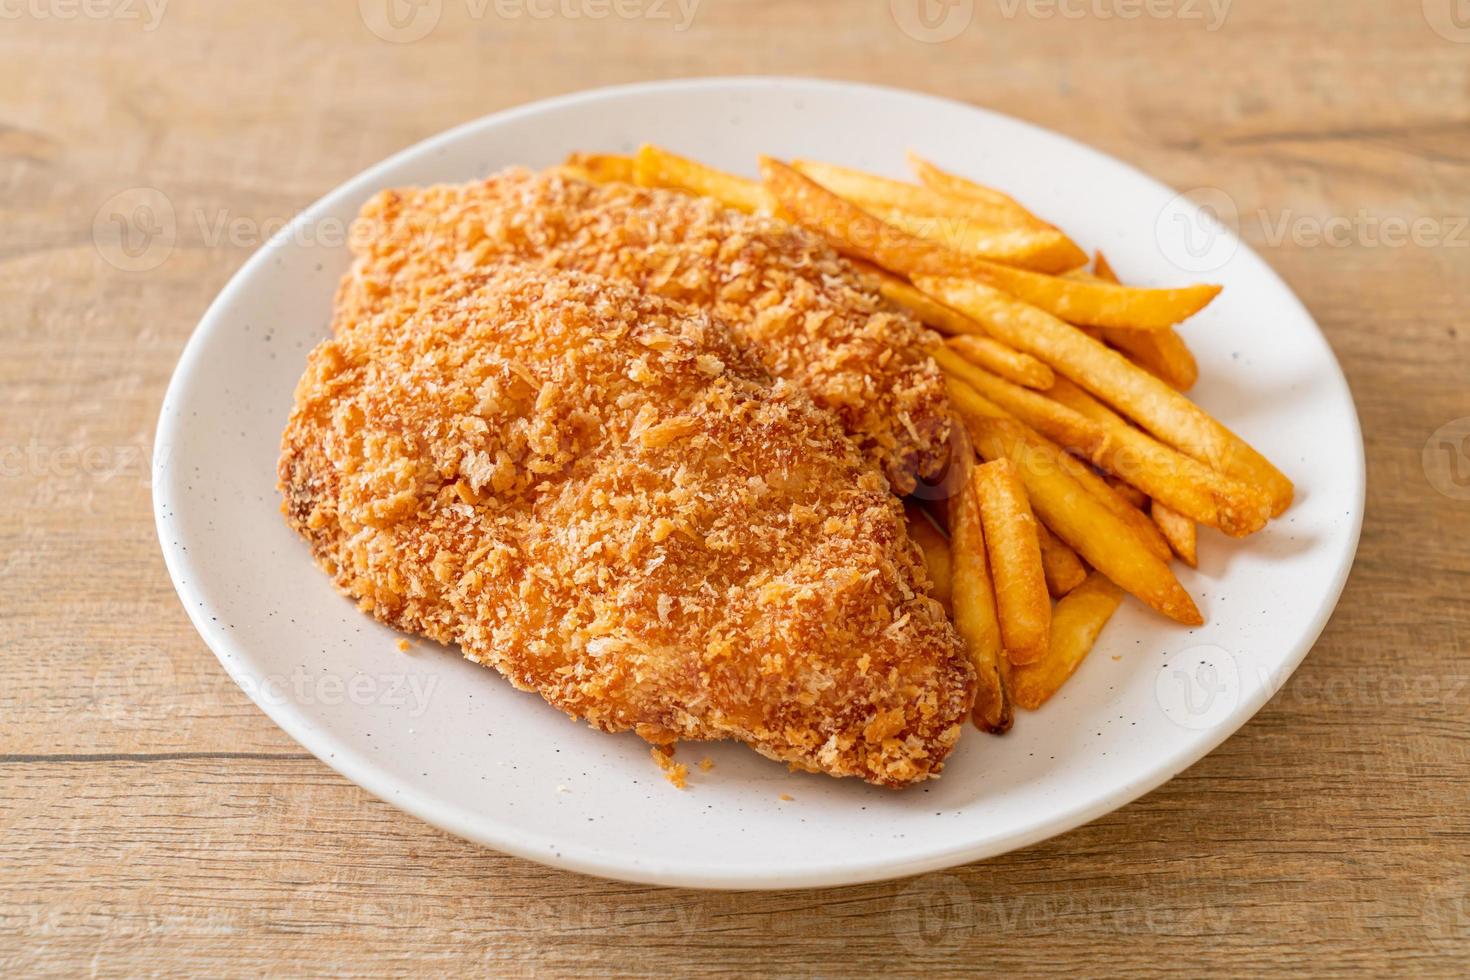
{"x": 1081, "y": 469}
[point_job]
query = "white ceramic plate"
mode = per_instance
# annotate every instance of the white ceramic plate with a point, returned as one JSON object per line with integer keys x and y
{"x": 455, "y": 745}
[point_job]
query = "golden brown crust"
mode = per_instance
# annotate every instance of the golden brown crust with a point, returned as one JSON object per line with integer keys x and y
{"x": 810, "y": 315}
{"x": 608, "y": 499}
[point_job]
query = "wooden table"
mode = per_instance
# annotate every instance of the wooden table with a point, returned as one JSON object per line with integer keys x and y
{"x": 152, "y": 819}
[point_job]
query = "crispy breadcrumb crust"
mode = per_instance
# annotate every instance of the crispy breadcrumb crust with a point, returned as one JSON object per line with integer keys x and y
{"x": 809, "y": 314}
{"x": 605, "y": 497}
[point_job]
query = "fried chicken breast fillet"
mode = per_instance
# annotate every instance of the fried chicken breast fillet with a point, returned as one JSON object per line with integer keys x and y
{"x": 605, "y": 497}
{"x": 809, "y": 315}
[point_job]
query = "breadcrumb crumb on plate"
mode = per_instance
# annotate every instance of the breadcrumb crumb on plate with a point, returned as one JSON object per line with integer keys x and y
{"x": 675, "y": 772}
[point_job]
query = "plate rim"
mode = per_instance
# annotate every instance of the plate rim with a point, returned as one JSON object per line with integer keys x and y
{"x": 510, "y": 839}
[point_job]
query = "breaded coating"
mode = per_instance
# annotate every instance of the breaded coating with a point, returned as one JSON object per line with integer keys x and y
{"x": 809, "y": 314}
{"x": 608, "y": 499}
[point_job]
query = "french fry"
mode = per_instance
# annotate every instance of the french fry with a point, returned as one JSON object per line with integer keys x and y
{"x": 1052, "y": 419}
{"x": 1074, "y": 514}
{"x": 870, "y": 191}
{"x": 1004, "y": 362}
{"x": 657, "y": 167}
{"x": 1064, "y": 570}
{"x": 975, "y": 616}
{"x": 1110, "y": 376}
{"x": 1162, "y": 353}
{"x": 1037, "y": 249}
{"x": 855, "y": 232}
{"x": 979, "y": 346}
{"x": 601, "y": 168}
{"x": 1179, "y": 531}
{"x": 1182, "y": 483}
{"x": 935, "y": 545}
{"x": 1076, "y": 622}
{"x": 1021, "y": 598}
{"x": 955, "y": 186}
{"x": 1093, "y": 303}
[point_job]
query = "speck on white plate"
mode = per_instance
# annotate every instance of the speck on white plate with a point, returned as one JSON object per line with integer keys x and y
{"x": 455, "y": 745}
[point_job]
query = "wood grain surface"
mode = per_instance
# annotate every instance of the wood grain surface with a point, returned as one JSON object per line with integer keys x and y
{"x": 152, "y": 820}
